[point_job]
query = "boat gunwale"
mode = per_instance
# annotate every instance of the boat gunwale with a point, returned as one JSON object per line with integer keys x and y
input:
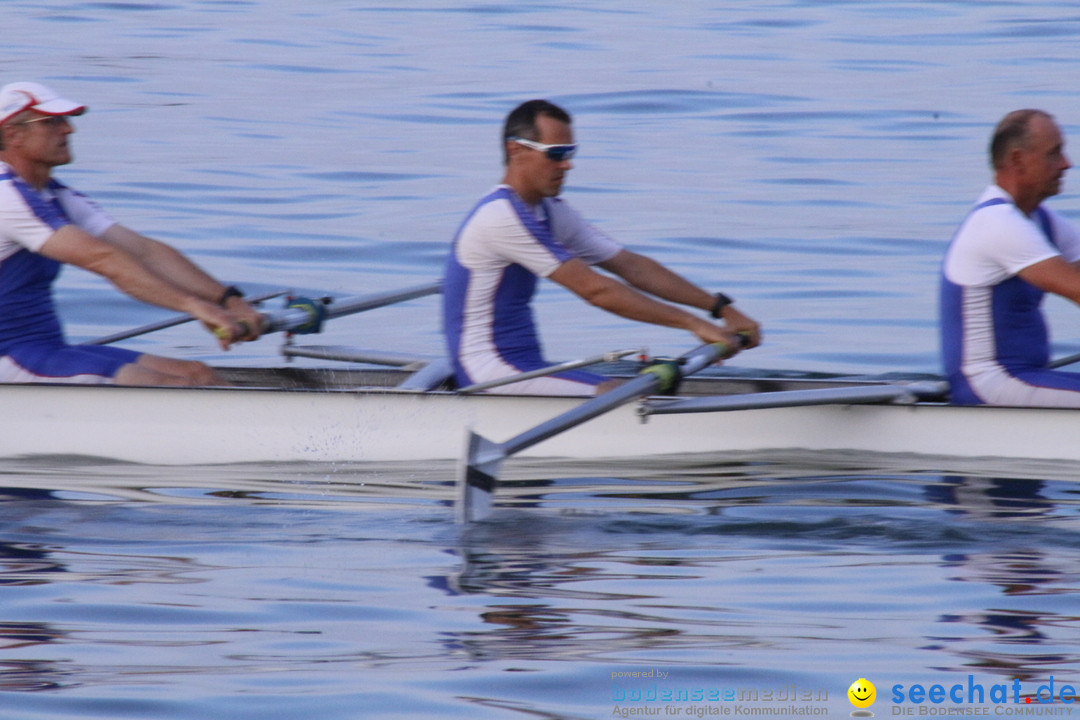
{"x": 336, "y": 381}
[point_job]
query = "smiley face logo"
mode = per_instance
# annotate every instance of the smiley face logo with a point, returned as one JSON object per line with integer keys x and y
{"x": 862, "y": 693}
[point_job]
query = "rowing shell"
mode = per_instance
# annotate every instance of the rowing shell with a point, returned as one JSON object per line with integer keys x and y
{"x": 292, "y": 415}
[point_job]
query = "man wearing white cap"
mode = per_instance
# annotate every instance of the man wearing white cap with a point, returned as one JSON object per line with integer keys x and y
{"x": 44, "y": 224}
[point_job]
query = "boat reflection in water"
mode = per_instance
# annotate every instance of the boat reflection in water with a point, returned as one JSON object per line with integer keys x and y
{"x": 26, "y": 563}
{"x": 692, "y": 561}
{"x": 713, "y": 570}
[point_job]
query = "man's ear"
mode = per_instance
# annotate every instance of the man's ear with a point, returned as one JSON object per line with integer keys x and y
{"x": 512, "y": 149}
{"x": 1016, "y": 160}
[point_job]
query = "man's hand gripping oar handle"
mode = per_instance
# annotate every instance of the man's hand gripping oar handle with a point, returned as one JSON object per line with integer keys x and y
{"x": 304, "y": 315}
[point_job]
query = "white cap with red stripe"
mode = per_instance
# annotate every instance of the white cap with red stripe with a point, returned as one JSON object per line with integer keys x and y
{"x": 19, "y": 96}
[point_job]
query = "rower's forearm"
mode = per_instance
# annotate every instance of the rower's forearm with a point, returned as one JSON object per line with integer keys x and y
{"x": 171, "y": 265}
{"x": 151, "y": 289}
{"x": 133, "y": 278}
{"x": 650, "y": 276}
{"x": 164, "y": 261}
{"x": 626, "y": 302}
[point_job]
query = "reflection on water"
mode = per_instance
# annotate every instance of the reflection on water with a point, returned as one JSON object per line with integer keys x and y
{"x": 644, "y": 587}
{"x": 1025, "y": 569}
{"x": 736, "y": 576}
{"x": 24, "y": 564}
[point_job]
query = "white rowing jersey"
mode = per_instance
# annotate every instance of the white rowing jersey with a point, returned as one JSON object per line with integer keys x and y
{"x": 28, "y": 218}
{"x": 992, "y": 328}
{"x": 502, "y": 247}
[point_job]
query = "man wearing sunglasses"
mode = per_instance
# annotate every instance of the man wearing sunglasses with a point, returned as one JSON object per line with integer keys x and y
{"x": 522, "y": 231}
{"x": 44, "y": 224}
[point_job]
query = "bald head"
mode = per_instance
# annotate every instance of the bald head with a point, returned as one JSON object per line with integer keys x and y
{"x": 1028, "y": 155}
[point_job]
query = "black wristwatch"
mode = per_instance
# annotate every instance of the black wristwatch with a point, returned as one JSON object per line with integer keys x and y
{"x": 722, "y": 301}
{"x": 230, "y": 292}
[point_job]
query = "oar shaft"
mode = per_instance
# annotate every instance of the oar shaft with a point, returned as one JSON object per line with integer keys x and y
{"x": 640, "y": 386}
{"x": 289, "y": 319}
{"x": 1062, "y": 362}
{"x": 907, "y": 393}
{"x": 339, "y": 308}
{"x": 550, "y": 370}
{"x": 478, "y": 475}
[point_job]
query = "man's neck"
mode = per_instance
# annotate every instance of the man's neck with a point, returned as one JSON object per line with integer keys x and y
{"x": 1024, "y": 200}
{"x": 36, "y": 176}
{"x": 531, "y": 198}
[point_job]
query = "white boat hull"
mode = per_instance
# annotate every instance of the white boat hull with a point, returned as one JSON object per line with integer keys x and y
{"x": 174, "y": 426}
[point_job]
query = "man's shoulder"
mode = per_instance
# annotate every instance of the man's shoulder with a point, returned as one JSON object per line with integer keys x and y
{"x": 994, "y": 212}
{"x": 557, "y": 205}
{"x": 500, "y": 194}
{"x": 1064, "y": 233}
{"x": 498, "y": 199}
{"x": 497, "y": 204}
{"x": 492, "y": 222}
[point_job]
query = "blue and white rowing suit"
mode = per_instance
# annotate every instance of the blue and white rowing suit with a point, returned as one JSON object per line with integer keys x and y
{"x": 501, "y": 249}
{"x": 32, "y": 346}
{"x": 995, "y": 342}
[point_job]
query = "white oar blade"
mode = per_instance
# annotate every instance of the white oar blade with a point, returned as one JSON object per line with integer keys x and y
{"x": 477, "y": 478}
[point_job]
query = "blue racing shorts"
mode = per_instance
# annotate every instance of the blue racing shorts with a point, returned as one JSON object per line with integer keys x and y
{"x": 84, "y": 364}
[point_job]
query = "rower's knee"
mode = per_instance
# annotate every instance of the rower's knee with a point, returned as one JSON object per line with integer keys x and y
{"x": 608, "y": 386}
{"x": 202, "y": 374}
{"x": 135, "y": 374}
{"x": 152, "y": 370}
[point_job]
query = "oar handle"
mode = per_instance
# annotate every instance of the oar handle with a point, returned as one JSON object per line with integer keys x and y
{"x": 172, "y": 322}
{"x": 224, "y": 334}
